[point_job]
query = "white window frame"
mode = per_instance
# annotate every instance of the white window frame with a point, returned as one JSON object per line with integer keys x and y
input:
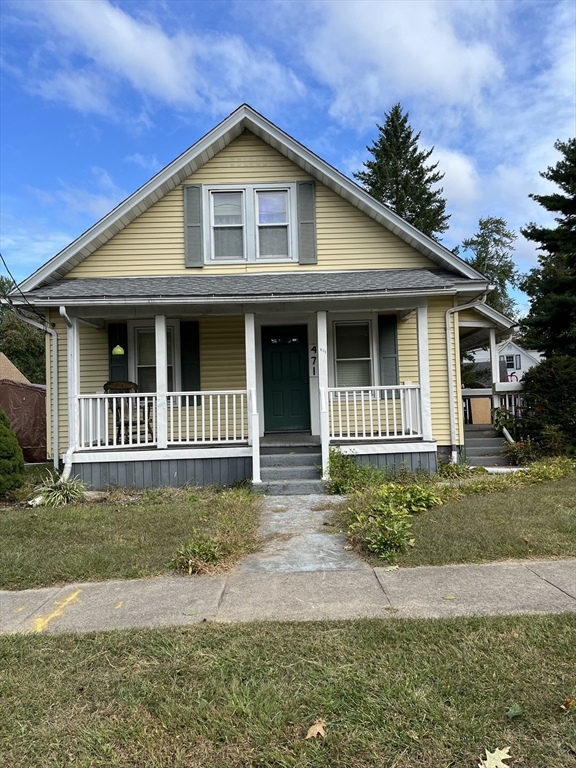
{"x": 148, "y": 325}
{"x": 369, "y": 321}
{"x": 250, "y": 215}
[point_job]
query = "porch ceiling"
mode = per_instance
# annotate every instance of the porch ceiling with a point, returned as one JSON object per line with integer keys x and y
{"x": 258, "y": 287}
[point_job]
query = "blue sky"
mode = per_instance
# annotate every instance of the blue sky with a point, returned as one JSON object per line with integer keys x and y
{"x": 97, "y": 96}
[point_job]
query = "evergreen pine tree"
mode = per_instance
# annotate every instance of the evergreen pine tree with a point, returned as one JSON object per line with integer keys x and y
{"x": 551, "y": 322}
{"x": 399, "y": 177}
{"x": 491, "y": 254}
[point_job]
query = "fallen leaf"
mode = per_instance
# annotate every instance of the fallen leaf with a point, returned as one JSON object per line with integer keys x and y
{"x": 569, "y": 704}
{"x": 317, "y": 729}
{"x": 495, "y": 759}
{"x": 347, "y": 548}
{"x": 449, "y": 597}
{"x": 515, "y": 711}
{"x": 392, "y": 568}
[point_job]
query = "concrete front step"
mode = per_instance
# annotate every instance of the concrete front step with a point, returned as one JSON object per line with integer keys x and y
{"x": 487, "y": 461}
{"x": 483, "y": 442}
{"x": 482, "y": 431}
{"x": 289, "y": 473}
{"x": 492, "y": 450}
{"x": 291, "y": 459}
{"x": 291, "y": 487}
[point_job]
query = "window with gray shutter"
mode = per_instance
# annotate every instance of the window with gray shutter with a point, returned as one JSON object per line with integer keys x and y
{"x": 388, "y": 348}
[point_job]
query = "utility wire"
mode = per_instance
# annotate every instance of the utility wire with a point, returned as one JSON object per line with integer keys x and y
{"x": 32, "y": 307}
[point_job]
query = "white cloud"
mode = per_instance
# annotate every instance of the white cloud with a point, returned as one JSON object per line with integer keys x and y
{"x": 28, "y": 244}
{"x": 207, "y": 72}
{"x": 371, "y": 54}
{"x": 148, "y": 162}
{"x": 94, "y": 202}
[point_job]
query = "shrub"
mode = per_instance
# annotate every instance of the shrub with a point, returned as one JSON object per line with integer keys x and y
{"x": 550, "y": 399}
{"x": 11, "y": 458}
{"x": 56, "y": 492}
{"x": 347, "y": 474}
{"x": 523, "y": 452}
{"x": 199, "y": 551}
{"x": 449, "y": 471}
{"x": 548, "y": 469}
{"x": 412, "y": 498}
{"x": 385, "y": 534}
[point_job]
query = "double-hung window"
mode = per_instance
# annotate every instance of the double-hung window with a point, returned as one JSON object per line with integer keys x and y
{"x": 255, "y": 222}
{"x": 353, "y": 354}
{"x": 146, "y": 359}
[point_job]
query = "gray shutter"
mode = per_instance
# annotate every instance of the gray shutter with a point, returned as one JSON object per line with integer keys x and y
{"x": 388, "y": 347}
{"x": 190, "y": 355}
{"x": 518, "y": 362}
{"x": 193, "y": 235}
{"x": 307, "y": 252}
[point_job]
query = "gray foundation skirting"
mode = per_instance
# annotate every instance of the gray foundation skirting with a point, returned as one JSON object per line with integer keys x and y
{"x": 157, "y": 474}
{"x": 414, "y": 462}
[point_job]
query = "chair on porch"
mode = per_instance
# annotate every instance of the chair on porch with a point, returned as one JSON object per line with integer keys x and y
{"x": 130, "y": 417}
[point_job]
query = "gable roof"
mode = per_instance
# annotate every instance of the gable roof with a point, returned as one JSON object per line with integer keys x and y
{"x": 244, "y": 118}
{"x": 533, "y": 354}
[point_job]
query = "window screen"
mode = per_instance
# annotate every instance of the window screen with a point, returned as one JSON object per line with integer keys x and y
{"x": 353, "y": 358}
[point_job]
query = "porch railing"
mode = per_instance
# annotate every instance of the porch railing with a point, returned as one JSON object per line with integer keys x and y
{"x": 131, "y": 420}
{"x": 112, "y": 421}
{"x": 369, "y": 413}
{"x": 207, "y": 417}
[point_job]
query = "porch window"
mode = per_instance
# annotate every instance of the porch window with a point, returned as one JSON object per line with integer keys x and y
{"x": 353, "y": 354}
{"x": 146, "y": 359}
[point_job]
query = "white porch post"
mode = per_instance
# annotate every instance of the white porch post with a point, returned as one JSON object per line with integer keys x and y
{"x": 322, "y": 352}
{"x": 161, "y": 382}
{"x": 73, "y": 365}
{"x": 494, "y": 366}
{"x": 424, "y": 371}
{"x": 253, "y": 418}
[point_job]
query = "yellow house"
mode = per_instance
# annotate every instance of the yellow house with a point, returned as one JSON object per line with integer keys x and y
{"x": 251, "y": 301}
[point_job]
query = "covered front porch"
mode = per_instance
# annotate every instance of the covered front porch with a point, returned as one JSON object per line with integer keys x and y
{"x": 305, "y": 372}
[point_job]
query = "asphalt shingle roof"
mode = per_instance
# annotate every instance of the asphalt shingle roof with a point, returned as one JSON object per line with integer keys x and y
{"x": 249, "y": 286}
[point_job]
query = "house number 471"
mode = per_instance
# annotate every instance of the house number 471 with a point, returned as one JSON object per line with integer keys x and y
{"x": 313, "y": 358}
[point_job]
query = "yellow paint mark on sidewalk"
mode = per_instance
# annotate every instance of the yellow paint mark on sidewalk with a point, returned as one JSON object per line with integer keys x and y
{"x": 20, "y": 608}
{"x": 42, "y": 622}
{"x": 120, "y": 604}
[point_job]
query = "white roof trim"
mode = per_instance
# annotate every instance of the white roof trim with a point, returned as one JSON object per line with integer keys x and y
{"x": 520, "y": 349}
{"x": 495, "y": 317}
{"x": 203, "y": 151}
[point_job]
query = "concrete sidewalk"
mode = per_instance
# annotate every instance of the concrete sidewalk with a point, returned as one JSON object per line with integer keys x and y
{"x": 439, "y": 592}
{"x": 303, "y": 572}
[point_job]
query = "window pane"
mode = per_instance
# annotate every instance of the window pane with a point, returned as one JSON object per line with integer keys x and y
{"x": 146, "y": 348}
{"x": 227, "y": 208}
{"x": 352, "y": 340}
{"x": 273, "y": 241}
{"x": 228, "y": 243}
{"x": 147, "y": 379}
{"x": 273, "y": 207}
{"x": 353, "y": 373}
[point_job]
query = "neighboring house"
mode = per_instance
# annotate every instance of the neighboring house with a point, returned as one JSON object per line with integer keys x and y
{"x": 9, "y": 371}
{"x": 513, "y": 360}
{"x": 250, "y": 288}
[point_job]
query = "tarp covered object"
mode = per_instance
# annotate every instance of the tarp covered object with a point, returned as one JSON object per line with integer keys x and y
{"x": 25, "y": 406}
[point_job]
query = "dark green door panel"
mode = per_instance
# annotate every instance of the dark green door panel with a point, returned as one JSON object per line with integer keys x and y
{"x": 285, "y": 370}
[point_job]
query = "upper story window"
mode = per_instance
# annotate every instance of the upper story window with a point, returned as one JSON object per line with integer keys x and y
{"x": 250, "y": 223}
{"x": 235, "y": 224}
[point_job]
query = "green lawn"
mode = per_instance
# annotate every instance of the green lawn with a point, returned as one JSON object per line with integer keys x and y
{"x": 127, "y": 536}
{"x": 403, "y": 693}
{"x": 525, "y": 521}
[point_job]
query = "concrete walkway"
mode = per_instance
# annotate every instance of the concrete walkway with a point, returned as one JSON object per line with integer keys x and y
{"x": 302, "y": 573}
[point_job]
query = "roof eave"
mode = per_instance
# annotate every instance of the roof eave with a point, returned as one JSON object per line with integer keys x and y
{"x": 204, "y": 150}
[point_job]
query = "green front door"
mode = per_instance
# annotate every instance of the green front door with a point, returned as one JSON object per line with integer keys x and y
{"x": 285, "y": 369}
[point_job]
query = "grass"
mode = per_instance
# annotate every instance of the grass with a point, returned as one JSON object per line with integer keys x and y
{"x": 402, "y": 693}
{"x": 127, "y": 535}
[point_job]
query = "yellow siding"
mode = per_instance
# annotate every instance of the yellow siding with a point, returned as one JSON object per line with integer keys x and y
{"x": 60, "y": 328}
{"x": 93, "y": 359}
{"x": 408, "y": 350}
{"x": 222, "y": 353}
{"x": 470, "y": 315}
{"x": 439, "y": 370}
{"x": 153, "y": 244}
